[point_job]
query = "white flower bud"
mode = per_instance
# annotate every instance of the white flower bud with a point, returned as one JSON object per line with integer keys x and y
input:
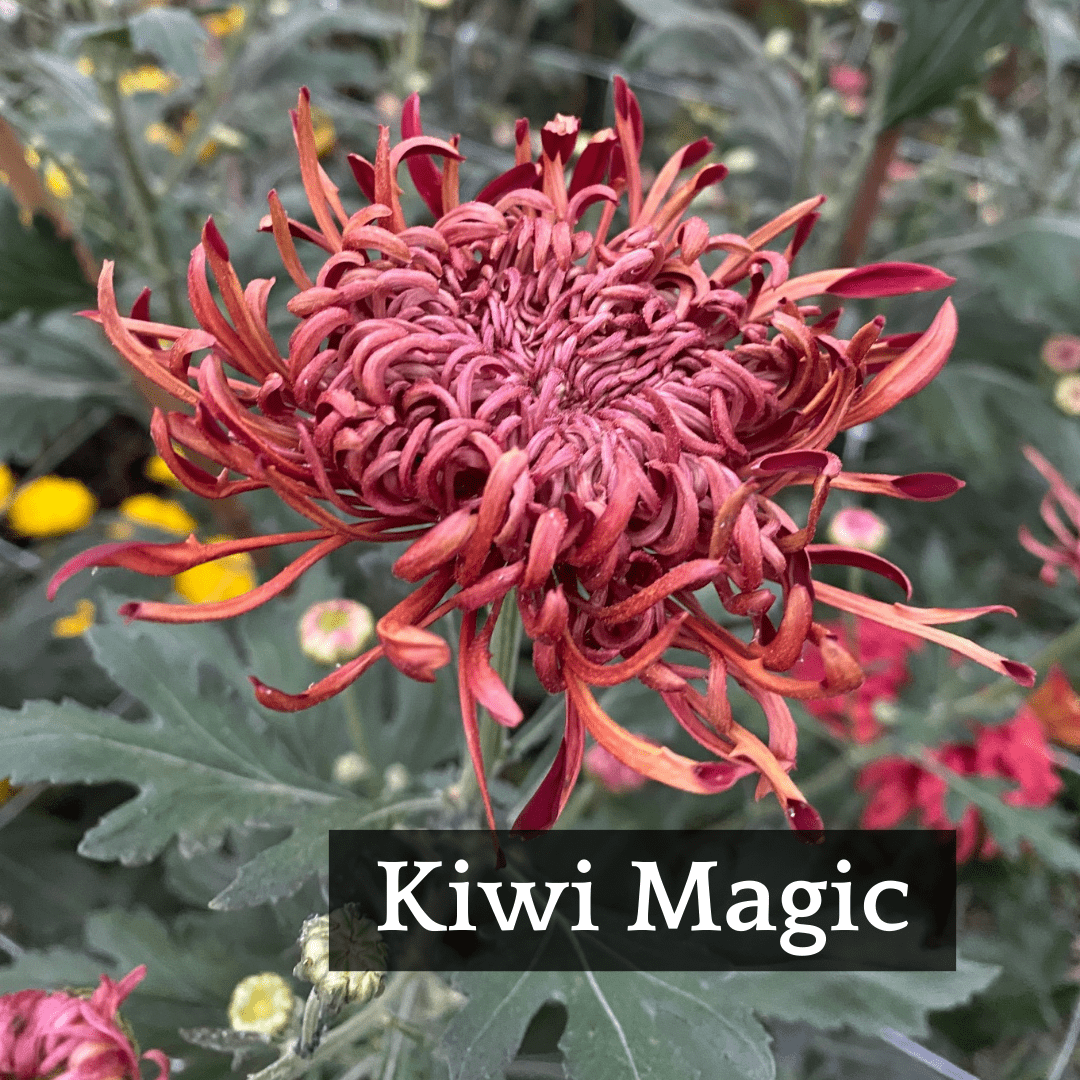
{"x": 358, "y": 952}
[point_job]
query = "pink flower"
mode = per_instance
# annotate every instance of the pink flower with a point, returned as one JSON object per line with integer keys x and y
{"x": 845, "y": 79}
{"x": 60, "y": 1036}
{"x": 334, "y": 631}
{"x": 611, "y": 773}
{"x": 857, "y": 528}
{"x": 1060, "y": 499}
{"x": 882, "y": 653}
{"x": 585, "y": 422}
{"x": 1061, "y": 353}
{"x": 1015, "y": 751}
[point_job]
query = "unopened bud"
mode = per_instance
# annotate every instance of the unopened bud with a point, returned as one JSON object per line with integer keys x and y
{"x": 334, "y": 631}
{"x": 395, "y": 779}
{"x": 262, "y": 1003}
{"x": 611, "y": 773}
{"x": 858, "y": 528}
{"x": 359, "y": 954}
{"x": 1061, "y": 353}
{"x": 350, "y": 768}
{"x": 1067, "y": 395}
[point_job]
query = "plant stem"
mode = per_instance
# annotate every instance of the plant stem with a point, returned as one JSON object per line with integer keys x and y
{"x": 408, "y": 806}
{"x": 397, "y": 1039}
{"x": 362, "y": 1025}
{"x": 1065, "y": 1054}
{"x": 505, "y": 646}
{"x": 145, "y": 203}
{"x": 814, "y": 44}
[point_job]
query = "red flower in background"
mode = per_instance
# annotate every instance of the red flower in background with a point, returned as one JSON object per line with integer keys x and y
{"x": 882, "y": 653}
{"x": 60, "y": 1036}
{"x": 1016, "y": 751}
{"x": 584, "y": 421}
{"x": 1061, "y": 498}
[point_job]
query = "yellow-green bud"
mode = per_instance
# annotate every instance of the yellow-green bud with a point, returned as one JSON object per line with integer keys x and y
{"x": 261, "y": 1003}
{"x": 359, "y": 954}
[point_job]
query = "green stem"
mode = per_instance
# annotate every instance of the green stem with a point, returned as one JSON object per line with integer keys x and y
{"x": 354, "y": 720}
{"x": 408, "y": 806}
{"x": 505, "y": 646}
{"x": 145, "y": 203}
{"x": 814, "y": 44}
{"x": 371, "y": 1018}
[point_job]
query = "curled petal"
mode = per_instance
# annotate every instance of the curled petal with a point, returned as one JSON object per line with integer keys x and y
{"x": 920, "y": 622}
{"x": 922, "y": 487}
{"x": 437, "y": 547}
{"x": 837, "y": 555}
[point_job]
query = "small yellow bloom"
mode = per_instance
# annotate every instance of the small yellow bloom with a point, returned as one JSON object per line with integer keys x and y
{"x": 157, "y": 470}
{"x": 159, "y": 134}
{"x": 51, "y": 506}
{"x": 7, "y": 483}
{"x": 261, "y": 1003}
{"x": 33, "y": 158}
{"x": 226, "y": 22}
{"x": 85, "y": 66}
{"x": 158, "y": 513}
{"x": 77, "y": 624}
{"x": 147, "y": 79}
{"x": 56, "y": 181}
{"x": 325, "y": 135}
{"x": 222, "y": 579}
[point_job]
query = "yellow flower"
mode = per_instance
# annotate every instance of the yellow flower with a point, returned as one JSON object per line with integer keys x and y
{"x": 226, "y": 22}
{"x": 56, "y": 181}
{"x": 147, "y": 79}
{"x": 7, "y": 483}
{"x": 85, "y": 66}
{"x": 33, "y": 158}
{"x": 162, "y": 135}
{"x": 77, "y": 624}
{"x": 157, "y": 470}
{"x": 1067, "y": 395}
{"x": 51, "y": 506}
{"x": 158, "y": 513}
{"x": 222, "y": 579}
{"x": 261, "y": 1003}
{"x": 325, "y": 135}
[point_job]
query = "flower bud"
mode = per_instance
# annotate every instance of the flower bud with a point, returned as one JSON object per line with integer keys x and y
{"x": 1067, "y": 395}
{"x": 858, "y": 528}
{"x": 1061, "y": 353}
{"x": 395, "y": 779}
{"x": 359, "y": 954}
{"x": 334, "y": 631}
{"x": 350, "y": 768}
{"x": 262, "y": 1003}
{"x": 610, "y": 773}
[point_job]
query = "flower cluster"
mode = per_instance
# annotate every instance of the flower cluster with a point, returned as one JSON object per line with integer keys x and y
{"x": 68, "y": 1037}
{"x": 1015, "y": 751}
{"x": 565, "y": 394}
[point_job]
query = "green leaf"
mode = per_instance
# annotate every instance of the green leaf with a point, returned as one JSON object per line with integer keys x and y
{"x": 944, "y": 43}
{"x": 1013, "y": 827}
{"x": 207, "y": 760}
{"x": 173, "y": 35}
{"x": 621, "y": 1025}
{"x": 39, "y": 271}
{"x": 864, "y": 1000}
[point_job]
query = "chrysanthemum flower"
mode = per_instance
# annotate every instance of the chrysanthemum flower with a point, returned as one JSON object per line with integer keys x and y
{"x": 556, "y": 411}
{"x": 1015, "y": 751}
{"x": 67, "y": 1037}
{"x": 858, "y": 528}
{"x": 1061, "y": 498}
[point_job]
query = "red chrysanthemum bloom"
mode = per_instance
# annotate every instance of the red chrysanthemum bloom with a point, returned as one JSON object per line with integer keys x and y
{"x": 64, "y": 1037}
{"x": 1061, "y": 498}
{"x": 1015, "y": 751}
{"x": 582, "y": 419}
{"x": 882, "y": 653}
